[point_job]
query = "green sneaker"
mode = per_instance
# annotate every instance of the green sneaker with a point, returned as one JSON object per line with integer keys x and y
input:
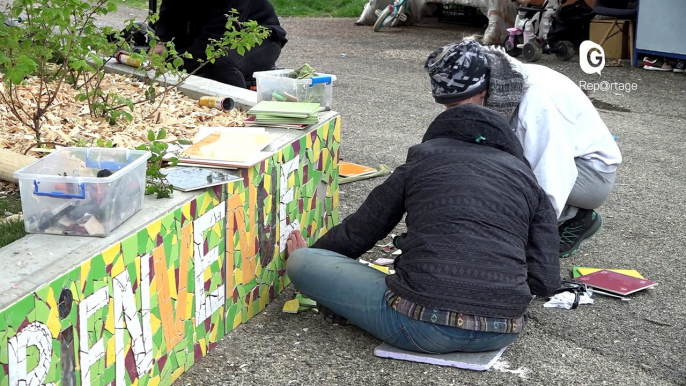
{"x": 574, "y": 231}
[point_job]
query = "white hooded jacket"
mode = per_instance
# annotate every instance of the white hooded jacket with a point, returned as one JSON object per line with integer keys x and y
{"x": 556, "y": 123}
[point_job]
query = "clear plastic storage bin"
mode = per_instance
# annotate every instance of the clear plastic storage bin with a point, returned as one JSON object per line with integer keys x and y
{"x": 318, "y": 89}
{"x": 82, "y": 191}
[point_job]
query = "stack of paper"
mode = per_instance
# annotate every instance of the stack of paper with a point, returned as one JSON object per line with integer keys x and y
{"x": 285, "y": 113}
{"x": 228, "y": 147}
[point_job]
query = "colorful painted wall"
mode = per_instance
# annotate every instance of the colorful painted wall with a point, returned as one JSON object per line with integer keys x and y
{"x": 147, "y": 308}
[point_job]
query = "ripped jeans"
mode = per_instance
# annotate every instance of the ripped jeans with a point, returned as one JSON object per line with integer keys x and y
{"x": 356, "y": 292}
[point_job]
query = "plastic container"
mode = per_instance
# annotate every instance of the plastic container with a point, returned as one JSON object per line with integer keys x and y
{"x": 318, "y": 89}
{"x": 82, "y": 191}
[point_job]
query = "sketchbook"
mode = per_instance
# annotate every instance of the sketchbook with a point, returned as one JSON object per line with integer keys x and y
{"x": 285, "y": 109}
{"x": 615, "y": 282}
{"x": 233, "y": 147}
{"x": 349, "y": 169}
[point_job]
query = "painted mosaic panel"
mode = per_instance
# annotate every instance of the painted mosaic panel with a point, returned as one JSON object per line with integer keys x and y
{"x": 147, "y": 308}
{"x": 141, "y": 312}
{"x": 295, "y": 189}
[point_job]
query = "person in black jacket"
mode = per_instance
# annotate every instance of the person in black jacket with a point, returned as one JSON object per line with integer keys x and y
{"x": 481, "y": 240}
{"x": 191, "y": 26}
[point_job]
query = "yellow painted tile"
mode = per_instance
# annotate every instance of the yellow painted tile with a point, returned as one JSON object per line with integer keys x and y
{"x": 154, "y": 229}
{"x": 238, "y": 275}
{"x": 203, "y": 346}
{"x": 171, "y": 280}
{"x": 308, "y": 141}
{"x": 53, "y": 323}
{"x": 237, "y": 320}
{"x": 154, "y": 381}
{"x": 176, "y": 374}
{"x": 118, "y": 267}
{"x": 110, "y": 353}
{"x": 110, "y": 253}
{"x": 155, "y": 323}
{"x": 85, "y": 268}
{"x": 291, "y": 180}
{"x": 135, "y": 382}
{"x": 317, "y": 148}
{"x": 326, "y": 159}
{"x": 324, "y": 131}
{"x": 335, "y": 200}
{"x": 175, "y": 239}
{"x": 207, "y": 274}
{"x": 186, "y": 211}
{"x": 189, "y": 308}
{"x": 213, "y": 334}
{"x": 153, "y": 286}
{"x": 337, "y": 130}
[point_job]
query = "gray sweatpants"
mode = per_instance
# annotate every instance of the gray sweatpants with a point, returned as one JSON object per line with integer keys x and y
{"x": 590, "y": 191}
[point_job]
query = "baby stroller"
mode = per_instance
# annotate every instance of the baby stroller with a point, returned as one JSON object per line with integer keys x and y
{"x": 544, "y": 29}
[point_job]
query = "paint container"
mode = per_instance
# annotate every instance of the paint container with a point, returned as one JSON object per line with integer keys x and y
{"x": 220, "y": 103}
{"x": 125, "y": 58}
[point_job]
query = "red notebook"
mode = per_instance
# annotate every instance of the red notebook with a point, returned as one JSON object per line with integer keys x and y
{"x": 615, "y": 282}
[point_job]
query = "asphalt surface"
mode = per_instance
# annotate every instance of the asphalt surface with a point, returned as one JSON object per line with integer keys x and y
{"x": 383, "y": 96}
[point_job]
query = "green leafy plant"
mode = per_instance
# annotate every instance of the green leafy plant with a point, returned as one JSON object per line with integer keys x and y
{"x": 58, "y": 42}
{"x": 156, "y": 183}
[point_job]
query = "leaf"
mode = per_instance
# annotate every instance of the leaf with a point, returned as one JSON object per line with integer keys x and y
{"x": 162, "y": 134}
{"x": 109, "y": 144}
{"x": 141, "y": 147}
{"x": 184, "y": 142}
{"x": 177, "y": 62}
{"x": 129, "y": 103}
{"x": 151, "y": 135}
{"x": 100, "y": 142}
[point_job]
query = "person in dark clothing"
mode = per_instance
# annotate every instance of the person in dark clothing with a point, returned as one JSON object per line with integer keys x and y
{"x": 481, "y": 240}
{"x": 192, "y": 26}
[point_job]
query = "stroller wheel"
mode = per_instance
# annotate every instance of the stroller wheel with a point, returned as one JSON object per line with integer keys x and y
{"x": 564, "y": 50}
{"x": 532, "y": 51}
{"x": 511, "y": 48}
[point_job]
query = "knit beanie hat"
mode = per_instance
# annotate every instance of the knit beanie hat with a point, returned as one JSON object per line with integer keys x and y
{"x": 458, "y": 71}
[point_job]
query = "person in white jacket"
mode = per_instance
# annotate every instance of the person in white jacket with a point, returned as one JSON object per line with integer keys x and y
{"x": 570, "y": 149}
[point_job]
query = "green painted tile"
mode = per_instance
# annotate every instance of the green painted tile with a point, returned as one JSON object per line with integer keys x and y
{"x": 15, "y": 315}
{"x": 143, "y": 241}
{"x": 180, "y": 357}
{"x": 167, "y": 244}
{"x": 98, "y": 270}
{"x": 168, "y": 222}
{"x": 42, "y": 312}
{"x": 110, "y": 375}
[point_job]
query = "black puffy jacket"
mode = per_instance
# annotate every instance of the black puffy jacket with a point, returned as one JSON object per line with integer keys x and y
{"x": 481, "y": 235}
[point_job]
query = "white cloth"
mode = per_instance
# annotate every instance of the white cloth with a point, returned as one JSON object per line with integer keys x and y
{"x": 566, "y": 300}
{"x": 556, "y": 123}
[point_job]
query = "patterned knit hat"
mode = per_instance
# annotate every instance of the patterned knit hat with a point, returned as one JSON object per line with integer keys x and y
{"x": 458, "y": 71}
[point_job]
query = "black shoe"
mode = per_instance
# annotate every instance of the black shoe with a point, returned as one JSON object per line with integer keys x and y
{"x": 574, "y": 231}
{"x": 331, "y": 316}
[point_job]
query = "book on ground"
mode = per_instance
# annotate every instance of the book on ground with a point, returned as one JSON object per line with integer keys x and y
{"x": 581, "y": 271}
{"x": 349, "y": 169}
{"x": 615, "y": 282}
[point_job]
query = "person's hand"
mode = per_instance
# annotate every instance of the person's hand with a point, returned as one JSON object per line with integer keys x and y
{"x": 159, "y": 49}
{"x": 295, "y": 242}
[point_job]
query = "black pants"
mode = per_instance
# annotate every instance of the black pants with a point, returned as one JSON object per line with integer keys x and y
{"x": 233, "y": 68}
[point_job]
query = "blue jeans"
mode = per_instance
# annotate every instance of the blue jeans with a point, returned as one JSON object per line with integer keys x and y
{"x": 356, "y": 292}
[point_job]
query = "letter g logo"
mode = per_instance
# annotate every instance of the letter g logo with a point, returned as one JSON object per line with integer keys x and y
{"x": 591, "y": 57}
